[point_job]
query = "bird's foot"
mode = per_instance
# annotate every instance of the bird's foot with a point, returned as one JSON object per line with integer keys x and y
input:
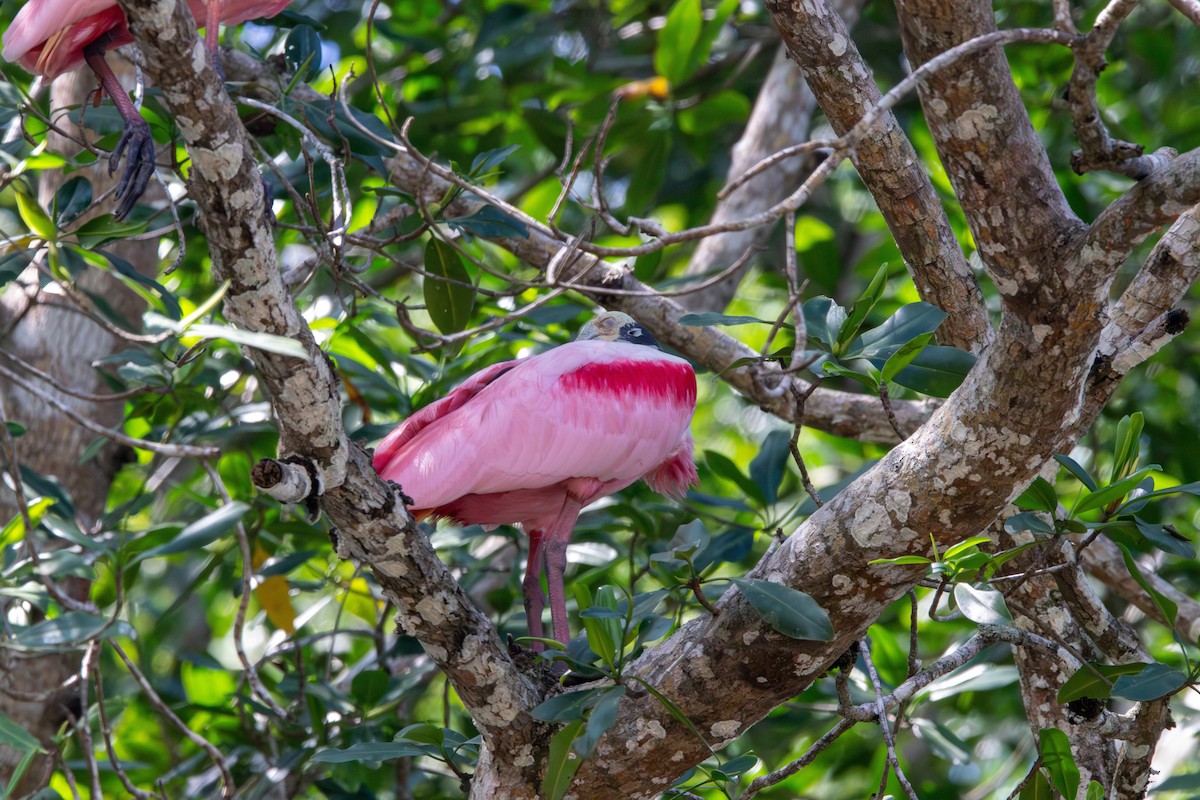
{"x": 137, "y": 146}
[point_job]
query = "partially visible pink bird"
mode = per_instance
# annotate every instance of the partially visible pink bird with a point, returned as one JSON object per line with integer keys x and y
{"x": 50, "y": 37}
{"x": 531, "y": 442}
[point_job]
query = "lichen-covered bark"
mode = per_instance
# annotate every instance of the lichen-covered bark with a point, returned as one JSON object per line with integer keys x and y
{"x": 993, "y": 157}
{"x": 820, "y": 43}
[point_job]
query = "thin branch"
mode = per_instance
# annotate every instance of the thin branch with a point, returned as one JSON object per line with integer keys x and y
{"x": 810, "y": 755}
{"x": 882, "y": 718}
{"x": 179, "y": 450}
{"x": 228, "y": 787}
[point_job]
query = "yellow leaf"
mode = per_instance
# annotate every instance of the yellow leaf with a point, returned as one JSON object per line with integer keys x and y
{"x": 272, "y": 595}
{"x": 656, "y": 87}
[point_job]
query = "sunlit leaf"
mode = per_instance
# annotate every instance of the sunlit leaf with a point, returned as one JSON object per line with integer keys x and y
{"x": 789, "y": 611}
{"x": 449, "y": 292}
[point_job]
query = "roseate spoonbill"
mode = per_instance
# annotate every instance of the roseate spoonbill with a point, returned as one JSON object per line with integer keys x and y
{"x": 531, "y": 442}
{"x": 50, "y": 37}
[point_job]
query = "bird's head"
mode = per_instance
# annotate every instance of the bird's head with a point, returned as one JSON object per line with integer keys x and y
{"x": 614, "y": 326}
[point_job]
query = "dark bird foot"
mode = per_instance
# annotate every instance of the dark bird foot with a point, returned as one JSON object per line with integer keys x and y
{"x": 137, "y": 146}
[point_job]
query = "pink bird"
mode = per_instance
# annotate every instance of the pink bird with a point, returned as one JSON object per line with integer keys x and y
{"x": 531, "y": 442}
{"x": 50, "y": 37}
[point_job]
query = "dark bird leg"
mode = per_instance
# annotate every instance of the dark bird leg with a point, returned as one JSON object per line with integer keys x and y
{"x": 535, "y": 601}
{"x": 136, "y": 138}
{"x": 556, "y": 566}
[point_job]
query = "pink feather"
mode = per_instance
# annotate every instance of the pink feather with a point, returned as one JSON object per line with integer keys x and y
{"x": 47, "y": 37}
{"x": 503, "y": 447}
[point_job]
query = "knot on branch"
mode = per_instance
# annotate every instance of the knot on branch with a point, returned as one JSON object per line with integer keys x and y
{"x": 290, "y": 480}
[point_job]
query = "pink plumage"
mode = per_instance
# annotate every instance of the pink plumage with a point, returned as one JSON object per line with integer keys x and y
{"x": 50, "y": 37}
{"x": 531, "y": 442}
{"x": 47, "y": 37}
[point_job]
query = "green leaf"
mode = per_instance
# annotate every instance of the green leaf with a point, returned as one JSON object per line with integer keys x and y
{"x": 1055, "y": 748}
{"x": 302, "y": 51}
{"x": 1040, "y": 496}
{"x": 1189, "y": 783}
{"x": 1027, "y": 521}
{"x": 676, "y": 57}
{"x": 823, "y": 318}
{"x": 157, "y": 292}
{"x": 1165, "y": 605}
{"x": 488, "y": 160}
{"x": 72, "y": 628}
{"x": 861, "y": 308}
{"x": 909, "y": 322}
{"x": 944, "y": 743}
{"x": 981, "y": 606}
{"x": 904, "y": 356}
{"x": 707, "y": 319}
{"x": 1167, "y": 540}
{"x": 1110, "y": 493}
{"x": 33, "y": 216}
{"x": 867, "y": 379}
{"x": 202, "y": 532}
{"x": 370, "y": 751}
{"x": 1081, "y": 474}
{"x": 561, "y": 763}
{"x": 449, "y": 304}
{"x": 1127, "y": 445}
{"x": 789, "y": 611}
{"x": 102, "y": 229}
{"x": 600, "y": 719}
{"x": 568, "y": 706}
{"x": 72, "y": 199}
{"x": 267, "y": 342}
{"x": 369, "y": 687}
{"x": 1095, "y": 791}
{"x": 689, "y": 539}
{"x": 1155, "y": 681}
{"x": 936, "y": 371}
{"x": 736, "y": 766}
{"x": 604, "y": 630}
{"x": 900, "y": 561}
{"x": 723, "y": 467}
{"x": 768, "y": 467}
{"x": 1095, "y": 680}
{"x": 489, "y": 222}
{"x": 955, "y": 550}
{"x": 16, "y": 737}
{"x": 1038, "y": 788}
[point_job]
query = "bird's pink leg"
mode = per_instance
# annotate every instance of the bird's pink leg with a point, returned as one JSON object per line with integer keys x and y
{"x": 212, "y": 27}
{"x": 535, "y": 601}
{"x": 139, "y": 165}
{"x": 556, "y": 565}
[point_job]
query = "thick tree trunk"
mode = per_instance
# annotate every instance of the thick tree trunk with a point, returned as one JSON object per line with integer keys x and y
{"x": 40, "y": 691}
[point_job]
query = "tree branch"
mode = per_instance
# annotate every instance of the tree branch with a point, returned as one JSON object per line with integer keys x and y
{"x": 372, "y": 523}
{"x": 820, "y": 42}
{"x": 1018, "y": 215}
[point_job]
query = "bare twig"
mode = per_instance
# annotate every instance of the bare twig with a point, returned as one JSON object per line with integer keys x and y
{"x": 810, "y": 755}
{"x": 161, "y": 448}
{"x": 228, "y": 788}
{"x": 884, "y": 726}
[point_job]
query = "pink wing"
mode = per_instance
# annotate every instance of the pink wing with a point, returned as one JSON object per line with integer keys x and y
{"x": 609, "y": 411}
{"x": 390, "y": 447}
{"x": 234, "y": 12}
{"x": 77, "y": 23}
{"x": 47, "y": 37}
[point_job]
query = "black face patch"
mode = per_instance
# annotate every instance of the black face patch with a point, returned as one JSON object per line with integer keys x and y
{"x": 636, "y": 334}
